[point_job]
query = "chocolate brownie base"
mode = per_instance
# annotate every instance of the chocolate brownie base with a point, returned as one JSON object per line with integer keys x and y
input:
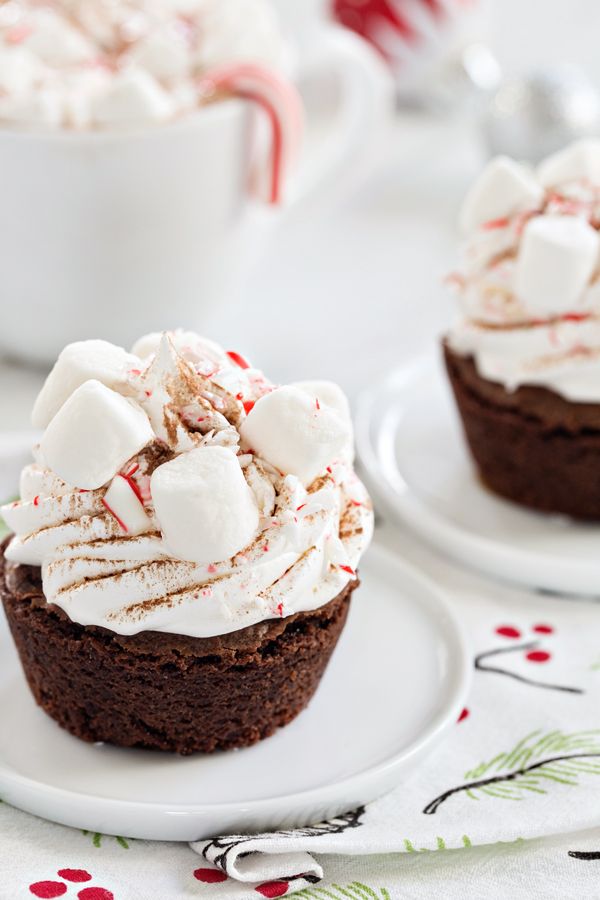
{"x": 168, "y": 692}
{"x": 530, "y": 445}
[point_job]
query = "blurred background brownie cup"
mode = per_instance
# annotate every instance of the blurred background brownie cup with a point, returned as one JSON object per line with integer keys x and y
{"x": 185, "y": 545}
{"x": 523, "y": 357}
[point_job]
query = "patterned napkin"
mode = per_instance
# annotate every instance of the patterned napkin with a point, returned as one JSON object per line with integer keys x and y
{"x": 521, "y": 764}
{"x": 523, "y": 760}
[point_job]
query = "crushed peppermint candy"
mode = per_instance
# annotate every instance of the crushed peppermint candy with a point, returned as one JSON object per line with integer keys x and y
{"x": 238, "y": 359}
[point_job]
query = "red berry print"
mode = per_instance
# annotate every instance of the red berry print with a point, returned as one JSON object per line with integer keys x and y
{"x": 210, "y": 876}
{"x": 538, "y": 656}
{"x": 48, "y": 889}
{"x": 464, "y": 714}
{"x": 543, "y": 629}
{"x": 273, "y": 889}
{"x": 95, "y": 893}
{"x": 75, "y": 875}
{"x": 508, "y": 631}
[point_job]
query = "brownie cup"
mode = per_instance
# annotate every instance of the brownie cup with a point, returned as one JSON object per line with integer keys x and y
{"x": 530, "y": 445}
{"x": 185, "y": 545}
{"x": 163, "y": 691}
{"x": 523, "y": 355}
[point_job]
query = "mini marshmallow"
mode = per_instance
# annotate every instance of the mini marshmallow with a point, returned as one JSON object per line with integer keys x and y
{"x": 133, "y": 98}
{"x": 296, "y": 433}
{"x": 42, "y": 107}
{"x": 205, "y": 508}
{"x": 56, "y": 42}
{"x": 79, "y": 362}
{"x": 163, "y": 54}
{"x": 557, "y": 257}
{"x": 503, "y": 189}
{"x": 78, "y": 89}
{"x": 226, "y": 36}
{"x": 578, "y": 161}
{"x": 94, "y": 433}
{"x": 122, "y": 501}
{"x": 19, "y": 70}
{"x": 329, "y": 393}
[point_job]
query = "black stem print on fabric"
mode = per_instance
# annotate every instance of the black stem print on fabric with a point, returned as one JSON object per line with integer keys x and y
{"x": 585, "y": 854}
{"x": 433, "y": 807}
{"x": 218, "y": 850}
{"x": 481, "y": 666}
{"x": 306, "y": 876}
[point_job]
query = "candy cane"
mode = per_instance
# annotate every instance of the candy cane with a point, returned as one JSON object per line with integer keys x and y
{"x": 278, "y": 98}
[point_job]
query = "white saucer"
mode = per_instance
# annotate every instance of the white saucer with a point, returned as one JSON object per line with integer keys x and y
{"x": 397, "y": 681}
{"x": 410, "y": 442}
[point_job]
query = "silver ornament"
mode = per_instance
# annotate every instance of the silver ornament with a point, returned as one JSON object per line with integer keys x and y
{"x": 530, "y": 116}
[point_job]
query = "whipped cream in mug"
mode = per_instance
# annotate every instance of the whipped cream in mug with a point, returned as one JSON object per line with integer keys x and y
{"x": 529, "y": 282}
{"x": 110, "y": 63}
{"x": 176, "y": 489}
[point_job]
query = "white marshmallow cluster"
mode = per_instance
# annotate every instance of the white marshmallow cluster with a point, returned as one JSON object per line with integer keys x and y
{"x": 101, "y": 64}
{"x": 529, "y": 284}
{"x": 146, "y": 509}
{"x": 533, "y": 249}
{"x": 101, "y": 406}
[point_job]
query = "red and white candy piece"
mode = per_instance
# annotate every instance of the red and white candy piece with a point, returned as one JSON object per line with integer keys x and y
{"x": 413, "y": 36}
{"x": 123, "y": 500}
{"x": 277, "y": 98}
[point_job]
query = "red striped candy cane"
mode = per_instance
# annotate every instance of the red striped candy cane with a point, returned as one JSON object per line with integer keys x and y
{"x": 278, "y": 99}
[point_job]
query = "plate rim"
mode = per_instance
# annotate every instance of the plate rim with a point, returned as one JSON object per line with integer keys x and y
{"x": 458, "y": 686}
{"x": 512, "y": 565}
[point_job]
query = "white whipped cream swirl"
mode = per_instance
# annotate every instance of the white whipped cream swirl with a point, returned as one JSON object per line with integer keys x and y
{"x": 304, "y": 552}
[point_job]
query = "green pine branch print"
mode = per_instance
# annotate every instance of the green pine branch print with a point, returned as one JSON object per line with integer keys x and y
{"x": 97, "y": 838}
{"x": 354, "y": 891}
{"x": 534, "y": 765}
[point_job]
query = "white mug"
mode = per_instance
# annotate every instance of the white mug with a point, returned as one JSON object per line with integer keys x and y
{"x": 108, "y": 234}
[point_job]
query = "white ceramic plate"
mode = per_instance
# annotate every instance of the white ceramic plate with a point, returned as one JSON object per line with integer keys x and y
{"x": 398, "y": 679}
{"x": 410, "y": 442}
